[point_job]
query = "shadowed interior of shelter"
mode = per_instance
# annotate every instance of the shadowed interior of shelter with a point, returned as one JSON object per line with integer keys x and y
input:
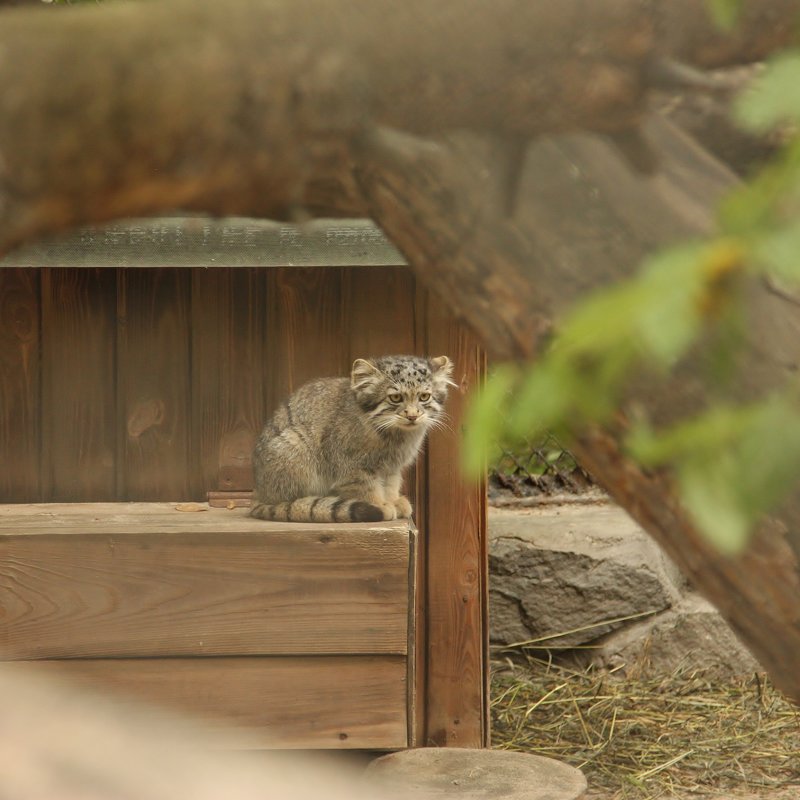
{"x": 152, "y": 384}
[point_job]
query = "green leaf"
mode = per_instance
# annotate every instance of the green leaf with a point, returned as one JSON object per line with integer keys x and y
{"x": 779, "y": 252}
{"x": 486, "y": 417}
{"x": 774, "y": 98}
{"x": 708, "y": 490}
{"x": 725, "y": 13}
{"x": 761, "y": 204}
{"x": 666, "y": 319}
{"x": 733, "y": 464}
{"x": 710, "y": 432}
{"x": 542, "y": 401}
{"x": 599, "y": 323}
{"x": 769, "y": 453}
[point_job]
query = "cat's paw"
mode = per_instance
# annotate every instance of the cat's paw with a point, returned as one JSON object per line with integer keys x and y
{"x": 404, "y": 509}
{"x": 389, "y": 511}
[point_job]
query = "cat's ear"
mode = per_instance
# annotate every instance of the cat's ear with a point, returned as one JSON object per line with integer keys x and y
{"x": 363, "y": 371}
{"x": 442, "y": 369}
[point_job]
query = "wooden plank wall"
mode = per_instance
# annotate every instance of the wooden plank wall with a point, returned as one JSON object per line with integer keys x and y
{"x": 232, "y": 374}
{"x": 152, "y": 384}
{"x": 153, "y": 359}
{"x": 79, "y": 457}
{"x": 20, "y": 383}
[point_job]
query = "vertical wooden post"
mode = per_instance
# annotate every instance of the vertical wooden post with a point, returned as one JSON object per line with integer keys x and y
{"x": 455, "y": 564}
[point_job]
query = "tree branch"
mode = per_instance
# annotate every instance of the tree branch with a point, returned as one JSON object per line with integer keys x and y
{"x": 239, "y": 107}
{"x": 508, "y": 279}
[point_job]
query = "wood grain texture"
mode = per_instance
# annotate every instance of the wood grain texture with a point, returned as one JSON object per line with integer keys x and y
{"x": 153, "y": 391}
{"x": 82, "y": 580}
{"x": 307, "y": 328}
{"x": 231, "y": 373}
{"x": 20, "y": 414}
{"x": 456, "y": 572}
{"x": 312, "y": 702}
{"x": 79, "y": 428}
{"x": 382, "y": 312}
{"x": 421, "y": 503}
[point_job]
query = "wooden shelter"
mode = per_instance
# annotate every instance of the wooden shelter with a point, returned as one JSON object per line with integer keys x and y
{"x": 138, "y": 363}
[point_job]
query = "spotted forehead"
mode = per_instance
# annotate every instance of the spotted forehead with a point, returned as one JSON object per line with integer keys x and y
{"x": 406, "y": 370}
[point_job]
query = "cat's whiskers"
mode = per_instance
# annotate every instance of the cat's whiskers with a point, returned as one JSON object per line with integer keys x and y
{"x": 441, "y": 423}
{"x": 385, "y": 424}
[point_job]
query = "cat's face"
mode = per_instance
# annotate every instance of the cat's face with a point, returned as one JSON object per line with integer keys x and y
{"x": 403, "y": 393}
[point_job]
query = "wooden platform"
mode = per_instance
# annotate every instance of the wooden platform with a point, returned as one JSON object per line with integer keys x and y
{"x": 296, "y": 634}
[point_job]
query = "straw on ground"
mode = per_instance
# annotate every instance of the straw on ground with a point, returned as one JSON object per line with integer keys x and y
{"x": 642, "y": 738}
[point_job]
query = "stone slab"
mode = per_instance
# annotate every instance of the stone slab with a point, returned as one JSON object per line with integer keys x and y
{"x": 580, "y": 571}
{"x": 432, "y": 772}
{"x": 690, "y": 636}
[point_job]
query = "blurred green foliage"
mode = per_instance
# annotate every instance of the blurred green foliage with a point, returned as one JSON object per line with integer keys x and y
{"x": 725, "y": 12}
{"x": 732, "y": 464}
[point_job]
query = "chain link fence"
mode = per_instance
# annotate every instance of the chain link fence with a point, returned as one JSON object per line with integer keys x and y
{"x": 537, "y": 469}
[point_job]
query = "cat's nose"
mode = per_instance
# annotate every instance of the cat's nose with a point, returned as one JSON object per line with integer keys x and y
{"x": 413, "y": 416}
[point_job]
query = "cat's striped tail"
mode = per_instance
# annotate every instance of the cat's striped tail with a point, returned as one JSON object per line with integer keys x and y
{"x": 318, "y": 509}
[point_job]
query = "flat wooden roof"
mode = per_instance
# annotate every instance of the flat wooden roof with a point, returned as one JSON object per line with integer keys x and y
{"x": 213, "y": 242}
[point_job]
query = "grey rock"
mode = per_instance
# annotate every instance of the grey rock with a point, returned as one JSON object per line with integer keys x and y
{"x": 690, "y": 636}
{"x": 568, "y": 574}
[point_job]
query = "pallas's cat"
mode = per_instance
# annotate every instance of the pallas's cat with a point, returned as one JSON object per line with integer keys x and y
{"x": 336, "y": 449}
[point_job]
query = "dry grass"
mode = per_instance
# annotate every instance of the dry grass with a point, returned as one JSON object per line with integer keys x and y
{"x": 640, "y": 738}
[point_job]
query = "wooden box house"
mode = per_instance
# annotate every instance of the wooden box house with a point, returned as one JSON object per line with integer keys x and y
{"x": 137, "y": 365}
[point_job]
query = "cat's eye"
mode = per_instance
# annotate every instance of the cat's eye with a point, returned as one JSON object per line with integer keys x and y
{"x": 395, "y": 397}
{"x": 424, "y": 397}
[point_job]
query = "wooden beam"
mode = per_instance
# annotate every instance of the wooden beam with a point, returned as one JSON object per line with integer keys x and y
{"x": 144, "y": 579}
{"x": 456, "y": 561}
{"x": 271, "y": 102}
{"x": 309, "y": 702}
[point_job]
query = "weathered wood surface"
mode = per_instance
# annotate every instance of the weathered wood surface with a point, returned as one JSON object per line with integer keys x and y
{"x": 231, "y": 375}
{"x": 20, "y": 381}
{"x": 310, "y": 702}
{"x": 153, "y": 361}
{"x": 146, "y": 580}
{"x": 227, "y": 242}
{"x": 456, "y": 603}
{"x": 308, "y": 328}
{"x": 79, "y": 427}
